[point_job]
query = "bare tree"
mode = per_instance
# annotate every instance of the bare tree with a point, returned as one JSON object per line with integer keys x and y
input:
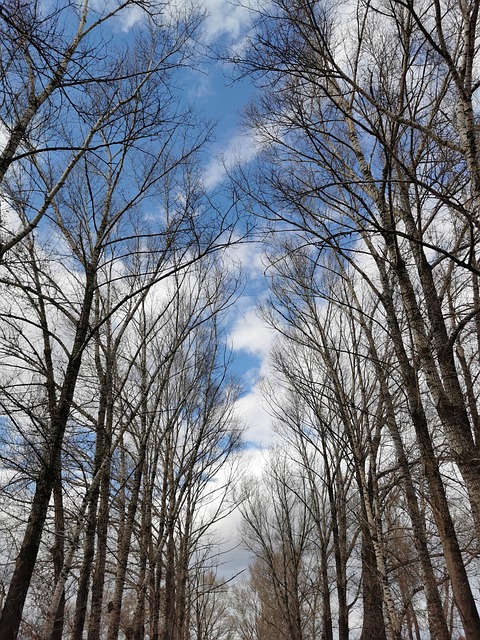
{"x": 209, "y": 608}
{"x": 66, "y": 82}
{"x": 363, "y": 148}
{"x": 277, "y": 529}
{"x": 335, "y": 343}
{"x": 369, "y": 159}
{"x": 244, "y": 610}
{"x": 175, "y": 432}
{"x": 96, "y": 219}
{"x": 320, "y": 456}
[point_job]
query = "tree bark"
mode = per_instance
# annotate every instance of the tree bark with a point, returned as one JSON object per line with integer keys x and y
{"x": 453, "y": 557}
{"x": 373, "y": 625}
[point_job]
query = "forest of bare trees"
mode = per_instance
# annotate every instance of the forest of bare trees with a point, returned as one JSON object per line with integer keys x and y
{"x": 116, "y": 401}
{"x": 368, "y": 181}
{"x": 121, "y": 442}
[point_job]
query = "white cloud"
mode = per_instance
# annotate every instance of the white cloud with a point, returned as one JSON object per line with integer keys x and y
{"x": 250, "y": 256}
{"x": 131, "y": 16}
{"x": 223, "y": 18}
{"x": 251, "y": 409}
{"x": 252, "y": 335}
{"x": 230, "y": 554}
{"x": 240, "y": 149}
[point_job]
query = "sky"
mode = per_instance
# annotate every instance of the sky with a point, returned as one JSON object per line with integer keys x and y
{"x": 222, "y": 99}
{"x": 218, "y": 98}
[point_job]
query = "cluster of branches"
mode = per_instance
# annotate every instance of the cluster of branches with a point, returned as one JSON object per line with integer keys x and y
{"x": 370, "y": 169}
{"x": 116, "y": 408}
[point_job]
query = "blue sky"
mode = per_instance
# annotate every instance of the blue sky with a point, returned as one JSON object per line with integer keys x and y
{"x": 218, "y": 99}
{"x": 223, "y": 101}
{"x": 215, "y": 97}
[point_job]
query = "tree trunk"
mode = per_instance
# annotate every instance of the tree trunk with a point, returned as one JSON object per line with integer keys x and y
{"x": 373, "y": 626}
{"x": 98, "y": 579}
{"x": 22, "y": 576}
{"x": 443, "y": 380}
{"x": 59, "y": 549}
{"x": 124, "y": 542}
{"x": 145, "y": 543}
{"x": 169, "y": 624}
{"x": 453, "y": 557}
{"x": 436, "y": 615}
{"x": 81, "y": 602}
{"x": 327, "y": 622}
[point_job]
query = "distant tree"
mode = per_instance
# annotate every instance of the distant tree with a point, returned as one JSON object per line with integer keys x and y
{"x": 319, "y": 456}
{"x": 209, "y": 608}
{"x": 277, "y": 529}
{"x": 243, "y": 610}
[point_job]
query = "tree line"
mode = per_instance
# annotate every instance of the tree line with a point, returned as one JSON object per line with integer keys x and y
{"x": 116, "y": 399}
{"x": 117, "y": 403}
{"x": 367, "y": 524}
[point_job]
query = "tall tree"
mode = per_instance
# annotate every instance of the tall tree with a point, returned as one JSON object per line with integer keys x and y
{"x": 367, "y": 141}
{"x": 108, "y": 165}
{"x": 369, "y": 159}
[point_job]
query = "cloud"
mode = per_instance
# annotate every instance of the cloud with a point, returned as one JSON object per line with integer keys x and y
{"x": 234, "y": 557}
{"x": 250, "y": 255}
{"x": 240, "y": 149}
{"x": 251, "y": 409}
{"x": 251, "y": 335}
{"x": 223, "y": 19}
